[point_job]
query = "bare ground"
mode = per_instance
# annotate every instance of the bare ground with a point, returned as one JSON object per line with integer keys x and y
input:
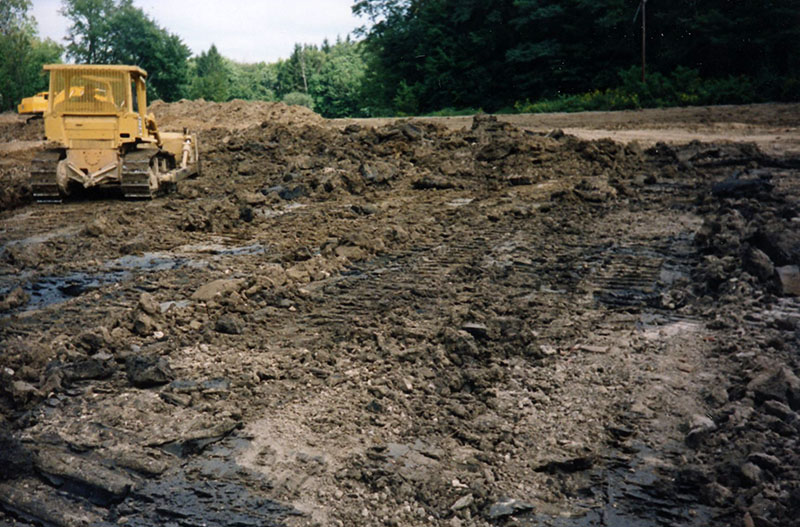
{"x": 426, "y": 322}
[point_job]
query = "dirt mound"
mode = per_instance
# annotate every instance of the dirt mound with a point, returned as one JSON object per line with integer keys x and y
{"x": 15, "y": 127}
{"x": 202, "y": 115}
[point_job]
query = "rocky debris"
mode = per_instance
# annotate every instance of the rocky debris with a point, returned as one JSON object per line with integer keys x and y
{"x": 405, "y": 357}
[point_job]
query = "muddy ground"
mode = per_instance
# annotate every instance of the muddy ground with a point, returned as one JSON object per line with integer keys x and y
{"x": 411, "y": 323}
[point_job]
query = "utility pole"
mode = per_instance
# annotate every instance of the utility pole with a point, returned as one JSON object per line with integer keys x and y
{"x": 644, "y": 39}
{"x": 642, "y": 8}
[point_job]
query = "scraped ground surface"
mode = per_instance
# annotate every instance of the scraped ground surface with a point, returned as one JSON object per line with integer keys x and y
{"x": 567, "y": 320}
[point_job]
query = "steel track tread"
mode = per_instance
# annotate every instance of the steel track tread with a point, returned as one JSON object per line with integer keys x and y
{"x": 136, "y": 175}
{"x": 44, "y": 185}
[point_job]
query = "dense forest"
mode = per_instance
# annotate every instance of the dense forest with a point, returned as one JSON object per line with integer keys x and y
{"x": 449, "y": 56}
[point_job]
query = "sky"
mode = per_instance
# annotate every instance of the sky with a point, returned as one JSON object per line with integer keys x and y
{"x": 243, "y": 30}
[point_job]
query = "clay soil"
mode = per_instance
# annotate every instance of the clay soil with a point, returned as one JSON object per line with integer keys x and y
{"x": 568, "y": 320}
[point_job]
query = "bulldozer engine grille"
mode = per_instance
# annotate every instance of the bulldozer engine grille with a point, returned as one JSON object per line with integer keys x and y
{"x": 95, "y": 92}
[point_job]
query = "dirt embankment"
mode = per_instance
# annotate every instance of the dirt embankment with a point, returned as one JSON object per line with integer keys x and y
{"x": 408, "y": 324}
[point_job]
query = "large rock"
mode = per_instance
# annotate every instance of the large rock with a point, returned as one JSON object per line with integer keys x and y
{"x": 779, "y": 384}
{"x": 229, "y": 325}
{"x": 757, "y": 263}
{"x": 145, "y": 371}
{"x": 217, "y": 288}
{"x": 789, "y": 280}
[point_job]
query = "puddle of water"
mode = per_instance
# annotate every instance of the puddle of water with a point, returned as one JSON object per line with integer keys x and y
{"x": 50, "y": 290}
{"x": 213, "y": 495}
{"x": 41, "y": 238}
{"x": 148, "y": 262}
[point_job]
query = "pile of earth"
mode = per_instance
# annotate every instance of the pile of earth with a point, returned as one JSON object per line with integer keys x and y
{"x": 15, "y": 127}
{"x": 201, "y": 115}
{"x": 261, "y": 166}
{"x": 750, "y": 247}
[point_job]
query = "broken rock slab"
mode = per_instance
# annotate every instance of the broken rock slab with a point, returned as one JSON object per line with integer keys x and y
{"x": 30, "y": 498}
{"x": 83, "y": 476}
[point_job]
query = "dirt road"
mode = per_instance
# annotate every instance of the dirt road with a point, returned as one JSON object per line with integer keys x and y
{"x": 412, "y": 323}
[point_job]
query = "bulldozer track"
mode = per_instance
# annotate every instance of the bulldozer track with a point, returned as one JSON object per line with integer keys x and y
{"x": 43, "y": 177}
{"x": 136, "y": 175}
{"x": 630, "y": 277}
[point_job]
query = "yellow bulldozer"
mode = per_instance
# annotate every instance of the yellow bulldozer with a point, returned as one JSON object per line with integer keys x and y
{"x": 97, "y": 116}
{"x": 34, "y": 105}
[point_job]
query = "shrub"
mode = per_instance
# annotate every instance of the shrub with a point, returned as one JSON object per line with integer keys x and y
{"x": 297, "y": 98}
{"x": 683, "y": 87}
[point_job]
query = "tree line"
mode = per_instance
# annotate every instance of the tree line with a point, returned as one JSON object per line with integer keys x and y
{"x": 427, "y": 56}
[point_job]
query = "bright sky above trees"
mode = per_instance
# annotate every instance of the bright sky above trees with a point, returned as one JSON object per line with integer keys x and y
{"x": 243, "y": 30}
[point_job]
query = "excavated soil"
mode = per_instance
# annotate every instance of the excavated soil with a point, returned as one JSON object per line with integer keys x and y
{"x": 410, "y": 322}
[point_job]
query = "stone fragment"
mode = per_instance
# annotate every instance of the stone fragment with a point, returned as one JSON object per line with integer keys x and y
{"x": 779, "y": 384}
{"x": 507, "y": 507}
{"x": 716, "y": 494}
{"x": 148, "y": 304}
{"x": 699, "y": 428}
{"x": 146, "y": 371}
{"x": 143, "y": 324}
{"x": 789, "y": 280}
{"x": 765, "y": 461}
{"x": 433, "y": 183}
{"x": 752, "y": 473}
{"x": 298, "y": 273}
{"x": 479, "y": 331}
{"x": 16, "y": 298}
{"x": 228, "y": 325}
{"x": 463, "y": 502}
{"x": 757, "y": 263}
{"x": 217, "y": 288}
{"x": 22, "y": 391}
{"x": 105, "y": 486}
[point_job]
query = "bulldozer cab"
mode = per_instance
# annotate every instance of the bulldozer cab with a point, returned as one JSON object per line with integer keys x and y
{"x": 96, "y": 103}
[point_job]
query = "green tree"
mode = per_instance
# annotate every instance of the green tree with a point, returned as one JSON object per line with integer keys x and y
{"x": 336, "y": 88}
{"x": 109, "y": 32}
{"x": 251, "y": 81}
{"x": 492, "y": 52}
{"x": 22, "y": 54}
{"x": 88, "y": 35}
{"x": 293, "y": 74}
{"x": 211, "y": 76}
